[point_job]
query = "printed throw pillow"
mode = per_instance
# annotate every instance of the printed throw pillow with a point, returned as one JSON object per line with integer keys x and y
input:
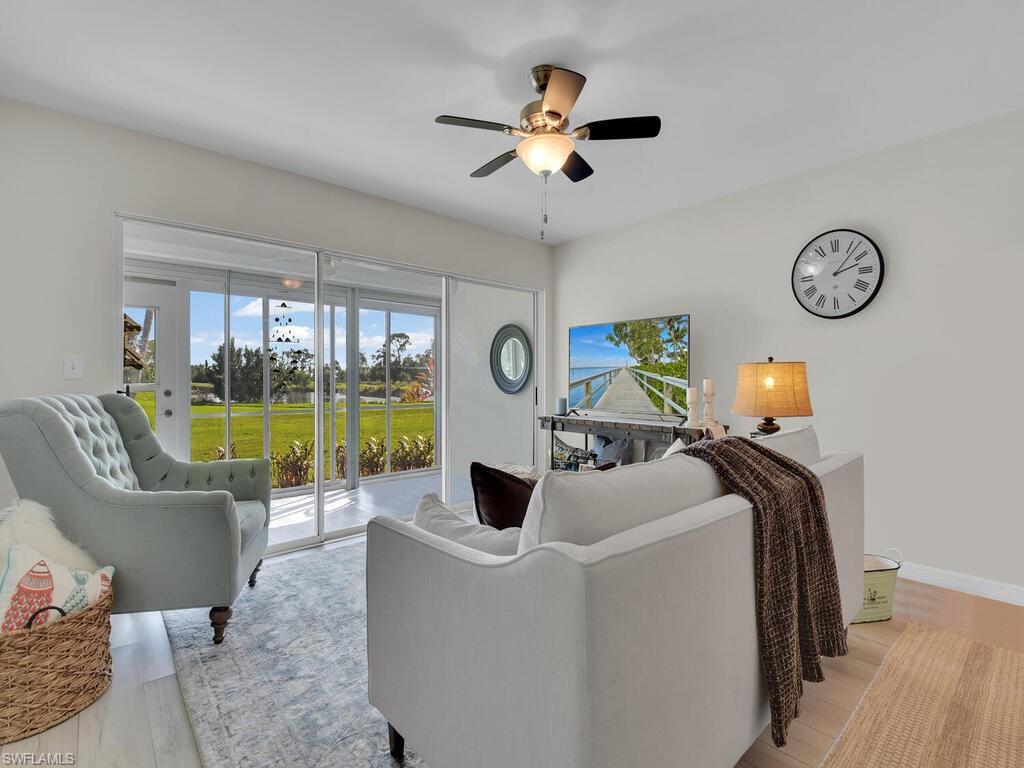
{"x": 31, "y": 581}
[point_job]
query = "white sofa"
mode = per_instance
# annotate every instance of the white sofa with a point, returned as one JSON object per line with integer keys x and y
{"x": 637, "y": 649}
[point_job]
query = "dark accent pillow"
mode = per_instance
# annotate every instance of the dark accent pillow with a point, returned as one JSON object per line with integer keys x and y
{"x": 501, "y": 498}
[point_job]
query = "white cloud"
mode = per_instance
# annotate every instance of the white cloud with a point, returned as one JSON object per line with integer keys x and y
{"x": 303, "y": 333}
{"x": 370, "y": 343}
{"x": 293, "y": 306}
{"x": 253, "y": 309}
{"x": 418, "y": 342}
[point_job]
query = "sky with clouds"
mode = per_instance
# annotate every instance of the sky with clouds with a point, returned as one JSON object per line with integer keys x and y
{"x": 589, "y": 348}
{"x": 207, "y": 325}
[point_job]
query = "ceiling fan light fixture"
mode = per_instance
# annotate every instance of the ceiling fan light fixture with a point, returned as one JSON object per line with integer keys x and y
{"x": 545, "y": 152}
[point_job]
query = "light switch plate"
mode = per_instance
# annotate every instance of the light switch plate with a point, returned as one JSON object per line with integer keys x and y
{"x": 72, "y": 366}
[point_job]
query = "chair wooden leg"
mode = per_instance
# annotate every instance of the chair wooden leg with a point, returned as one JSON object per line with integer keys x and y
{"x": 219, "y": 616}
{"x": 396, "y": 743}
{"x": 252, "y": 576}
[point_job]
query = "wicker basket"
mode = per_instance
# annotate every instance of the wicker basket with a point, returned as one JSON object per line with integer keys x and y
{"x": 53, "y": 672}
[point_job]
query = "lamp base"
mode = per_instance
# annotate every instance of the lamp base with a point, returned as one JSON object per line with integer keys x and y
{"x": 768, "y": 426}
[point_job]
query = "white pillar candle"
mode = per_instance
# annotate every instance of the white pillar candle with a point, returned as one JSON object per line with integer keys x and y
{"x": 691, "y": 397}
{"x": 709, "y": 386}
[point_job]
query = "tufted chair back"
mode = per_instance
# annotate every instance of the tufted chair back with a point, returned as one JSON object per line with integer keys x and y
{"x": 98, "y": 436}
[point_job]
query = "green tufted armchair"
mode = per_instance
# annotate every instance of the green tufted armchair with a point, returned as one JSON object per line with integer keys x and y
{"x": 181, "y": 535}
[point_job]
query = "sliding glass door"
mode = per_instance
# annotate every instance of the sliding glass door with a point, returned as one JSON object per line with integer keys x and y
{"x": 397, "y": 417}
{"x": 323, "y": 364}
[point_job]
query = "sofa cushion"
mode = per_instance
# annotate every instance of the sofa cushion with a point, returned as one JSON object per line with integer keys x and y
{"x": 500, "y": 497}
{"x": 433, "y": 516}
{"x": 585, "y": 507}
{"x": 252, "y": 516}
{"x": 798, "y": 444}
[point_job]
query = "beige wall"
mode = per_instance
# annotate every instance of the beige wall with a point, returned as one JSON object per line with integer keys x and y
{"x": 62, "y": 178}
{"x": 917, "y": 381}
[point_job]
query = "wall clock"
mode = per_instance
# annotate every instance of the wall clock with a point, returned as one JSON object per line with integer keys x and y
{"x": 837, "y": 274}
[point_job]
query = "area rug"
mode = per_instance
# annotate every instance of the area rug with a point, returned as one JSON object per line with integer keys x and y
{"x": 938, "y": 700}
{"x": 288, "y": 684}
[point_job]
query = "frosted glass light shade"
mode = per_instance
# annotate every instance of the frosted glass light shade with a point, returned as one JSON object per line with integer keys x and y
{"x": 772, "y": 389}
{"x": 545, "y": 151}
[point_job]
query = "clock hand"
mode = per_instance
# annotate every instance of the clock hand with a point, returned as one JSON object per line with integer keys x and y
{"x": 841, "y": 265}
{"x": 834, "y": 274}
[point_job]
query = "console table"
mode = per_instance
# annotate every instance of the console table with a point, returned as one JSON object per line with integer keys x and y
{"x": 664, "y": 431}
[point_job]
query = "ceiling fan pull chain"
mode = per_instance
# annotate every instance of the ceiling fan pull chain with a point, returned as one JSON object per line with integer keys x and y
{"x": 543, "y": 203}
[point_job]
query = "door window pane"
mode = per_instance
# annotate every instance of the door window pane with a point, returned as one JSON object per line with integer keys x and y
{"x": 206, "y": 354}
{"x": 292, "y": 389}
{"x": 412, "y": 392}
{"x": 140, "y": 357}
{"x": 246, "y": 377}
{"x": 372, "y": 393}
{"x": 139, "y": 345}
{"x": 334, "y": 394}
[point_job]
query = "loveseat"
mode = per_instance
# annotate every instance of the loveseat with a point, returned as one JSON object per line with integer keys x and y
{"x": 622, "y": 633}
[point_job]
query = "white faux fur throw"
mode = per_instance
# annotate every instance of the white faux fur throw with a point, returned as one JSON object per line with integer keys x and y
{"x": 28, "y": 522}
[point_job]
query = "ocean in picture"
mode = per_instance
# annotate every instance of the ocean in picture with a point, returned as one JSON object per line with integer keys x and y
{"x": 598, "y": 385}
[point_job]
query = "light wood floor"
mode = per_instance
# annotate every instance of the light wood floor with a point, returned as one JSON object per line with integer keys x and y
{"x": 141, "y": 721}
{"x": 825, "y": 707}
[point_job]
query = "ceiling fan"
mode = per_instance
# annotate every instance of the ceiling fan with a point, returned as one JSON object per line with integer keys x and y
{"x": 546, "y": 146}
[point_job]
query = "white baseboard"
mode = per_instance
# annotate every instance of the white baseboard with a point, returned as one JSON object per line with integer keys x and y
{"x": 962, "y": 582}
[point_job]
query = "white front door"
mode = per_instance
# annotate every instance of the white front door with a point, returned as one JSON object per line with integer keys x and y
{"x": 157, "y": 386}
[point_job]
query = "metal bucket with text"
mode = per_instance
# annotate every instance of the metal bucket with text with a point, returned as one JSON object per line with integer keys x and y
{"x": 880, "y": 573}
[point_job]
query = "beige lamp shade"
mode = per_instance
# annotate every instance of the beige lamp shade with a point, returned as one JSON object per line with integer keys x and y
{"x": 772, "y": 389}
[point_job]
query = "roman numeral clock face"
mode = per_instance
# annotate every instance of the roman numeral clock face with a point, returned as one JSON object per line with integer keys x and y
{"x": 837, "y": 274}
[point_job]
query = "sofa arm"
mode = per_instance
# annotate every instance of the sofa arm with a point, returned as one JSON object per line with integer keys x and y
{"x": 170, "y": 549}
{"x": 470, "y": 651}
{"x": 244, "y": 479}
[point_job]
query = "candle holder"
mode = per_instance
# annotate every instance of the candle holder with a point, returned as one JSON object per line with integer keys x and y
{"x": 708, "y": 419}
{"x": 691, "y": 406}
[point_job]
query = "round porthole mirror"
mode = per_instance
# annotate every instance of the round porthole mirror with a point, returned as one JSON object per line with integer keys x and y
{"x": 511, "y": 359}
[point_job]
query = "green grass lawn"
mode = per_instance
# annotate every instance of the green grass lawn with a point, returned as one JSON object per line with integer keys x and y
{"x": 407, "y": 419}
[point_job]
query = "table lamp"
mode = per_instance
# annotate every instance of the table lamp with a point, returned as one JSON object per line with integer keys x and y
{"x": 771, "y": 390}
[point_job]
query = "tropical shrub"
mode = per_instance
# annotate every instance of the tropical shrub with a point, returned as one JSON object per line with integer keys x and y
{"x": 222, "y": 454}
{"x": 340, "y": 460}
{"x": 294, "y": 466}
{"x": 373, "y": 458}
{"x": 412, "y": 453}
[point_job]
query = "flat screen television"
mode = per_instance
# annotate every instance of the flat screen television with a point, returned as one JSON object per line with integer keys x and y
{"x": 631, "y": 367}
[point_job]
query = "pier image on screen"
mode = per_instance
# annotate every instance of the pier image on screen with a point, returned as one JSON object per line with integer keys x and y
{"x": 635, "y": 366}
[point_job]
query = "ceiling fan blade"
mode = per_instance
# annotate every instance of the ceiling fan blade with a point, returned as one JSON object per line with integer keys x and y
{"x": 560, "y": 94}
{"x": 576, "y": 168}
{"x": 468, "y": 122}
{"x": 488, "y": 168}
{"x": 620, "y": 128}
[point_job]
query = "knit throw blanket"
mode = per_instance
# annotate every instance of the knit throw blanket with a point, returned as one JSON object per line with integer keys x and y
{"x": 799, "y": 614}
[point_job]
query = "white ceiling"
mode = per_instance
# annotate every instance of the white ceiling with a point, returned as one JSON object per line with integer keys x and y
{"x": 749, "y": 91}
